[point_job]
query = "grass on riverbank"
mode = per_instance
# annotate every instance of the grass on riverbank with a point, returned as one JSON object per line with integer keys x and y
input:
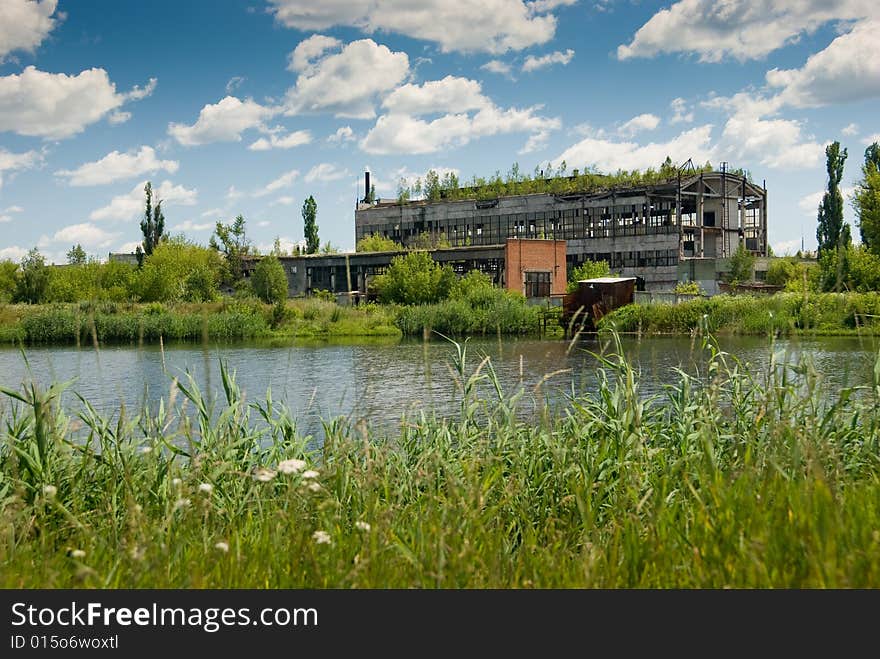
{"x": 110, "y": 322}
{"x": 733, "y": 480}
{"x": 779, "y": 314}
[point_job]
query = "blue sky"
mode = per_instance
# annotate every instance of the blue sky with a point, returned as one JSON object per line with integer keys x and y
{"x": 249, "y": 107}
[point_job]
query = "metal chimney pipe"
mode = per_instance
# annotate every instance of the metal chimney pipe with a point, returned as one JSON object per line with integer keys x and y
{"x": 366, "y": 186}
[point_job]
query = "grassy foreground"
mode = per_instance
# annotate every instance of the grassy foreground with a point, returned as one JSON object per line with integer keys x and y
{"x": 728, "y": 479}
{"x": 779, "y": 314}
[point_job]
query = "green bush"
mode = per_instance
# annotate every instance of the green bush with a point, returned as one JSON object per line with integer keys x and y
{"x": 8, "y": 280}
{"x": 415, "y": 279}
{"x": 377, "y": 243}
{"x": 269, "y": 282}
{"x": 180, "y": 271}
{"x": 586, "y": 270}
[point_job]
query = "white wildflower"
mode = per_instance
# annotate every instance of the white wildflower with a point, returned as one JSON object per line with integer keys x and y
{"x": 222, "y": 546}
{"x": 146, "y": 449}
{"x": 50, "y": 491}
{"x": 291, "y": 466}
{"x": 321, "y": 537}
{"x": 78, "y": 553}
{"x": 176, "y": 482}
{"x": 362, "y": 526}
{"x": 182, "y": 503}
{"x": 314, "y": 487}
{"x": 207, "y": 488}
{"x": 311, "y": 473}
{"x": 263, "y": 474}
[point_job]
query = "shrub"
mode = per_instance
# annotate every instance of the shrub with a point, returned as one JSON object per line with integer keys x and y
{"x": 688, "y": 288}
{"x": 180, "y": 271}
{"x": 587, "y": 270}
{"x": 324, "y": 295}
{"x": 8, "y": 280}
{"x": 269, "y": 282}
{"x": 377, "y": 243}
{"x": 415, "y": 279}
{"x": 33, "y": 279}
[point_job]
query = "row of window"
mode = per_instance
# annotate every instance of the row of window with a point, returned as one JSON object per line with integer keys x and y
{"x": 638, "y": 259}
{"x": 563, "y": 224}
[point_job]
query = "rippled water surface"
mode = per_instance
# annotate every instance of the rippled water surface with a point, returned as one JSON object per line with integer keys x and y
{"x": 383, "y": 381}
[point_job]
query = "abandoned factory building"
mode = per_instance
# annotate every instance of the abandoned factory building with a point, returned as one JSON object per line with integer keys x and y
{"x": 661, "y": 233}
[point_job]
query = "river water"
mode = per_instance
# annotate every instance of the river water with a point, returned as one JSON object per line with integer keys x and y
{"x": 382, "y": 381}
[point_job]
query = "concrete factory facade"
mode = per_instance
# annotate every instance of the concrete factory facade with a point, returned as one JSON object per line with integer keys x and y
{"x": 683, "y": 229}
{"x": 659, "y": 233}
{"x": 535, "y": 268}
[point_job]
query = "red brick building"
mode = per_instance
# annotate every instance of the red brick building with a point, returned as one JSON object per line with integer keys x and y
{"x": 535, "y": 268}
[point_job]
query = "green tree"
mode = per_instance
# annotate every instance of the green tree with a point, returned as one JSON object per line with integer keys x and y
{"x": 33, "y": 280}
{"x": 76, "y": 255}
{"x": 269, "y": 282}
{"x": 432, "y": 185}
{"x": 862, "y": 269}
{"x": 414, "y": 279}
{"x": 277, "y": 249}
{"x": 377, "y": 243}
{"x": 866, "y": 199}
{"x": 586, "y": 270}
{"x": 74, "y": 283}
{"x": 234, "y": 245}
{"x": 152, "y": 225}
{"x": 742, "y": 264}
{"x": 310, "y": 225}
{"x": 830, "y": 217}
{"x": 180, "y": 271}
{"x": 8, "y": 280}
{"x": 429, "y": 240}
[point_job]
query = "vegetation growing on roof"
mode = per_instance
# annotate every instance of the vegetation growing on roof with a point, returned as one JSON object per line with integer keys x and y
{"x": 560, "y": 180}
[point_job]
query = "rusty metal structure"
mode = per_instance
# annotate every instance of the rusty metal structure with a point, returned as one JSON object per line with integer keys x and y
{"x": 594, "y": 298}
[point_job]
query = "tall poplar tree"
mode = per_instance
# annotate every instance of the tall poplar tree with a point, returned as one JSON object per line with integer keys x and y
{"x": 830, "y": 218}
{"x": 310, "y": 225}
{"x": 152, "y": 225}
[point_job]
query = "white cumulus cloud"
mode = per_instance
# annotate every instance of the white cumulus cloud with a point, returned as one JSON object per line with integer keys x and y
{"x": 499, "y": 67}
{"x": 13, "y": 253}
{"x": 638, "y": 124}
{"x": 11, "y": 161}
{"x": 754, "y": 132}
{"x": 680, "y": 112}
{"x": 451, "y": 94}
{"x": 309, "y": 50}
{"x": 281, "y": 141}
{"x": 401, "y": 133}
{"x": 56, "y": 105}
{"x": 743, "y": 29}
{"x": 325, "y": 172}
{"x": 609, "y": 156}
{"x": 223, "y": 121}
{"x": 116, "y": 166}
{"x": 283, "y": 181}
{"x": 24, "y": 24}
{"x": 86, "y": 234}
{"x": 493, "y": 26}
{"x": 342, "y": 134}
{"x": 346, "y": 83}
{"x": 533, "y": 63}
{"x": 131, "y": 204}
{"x": 847, "y": 70}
